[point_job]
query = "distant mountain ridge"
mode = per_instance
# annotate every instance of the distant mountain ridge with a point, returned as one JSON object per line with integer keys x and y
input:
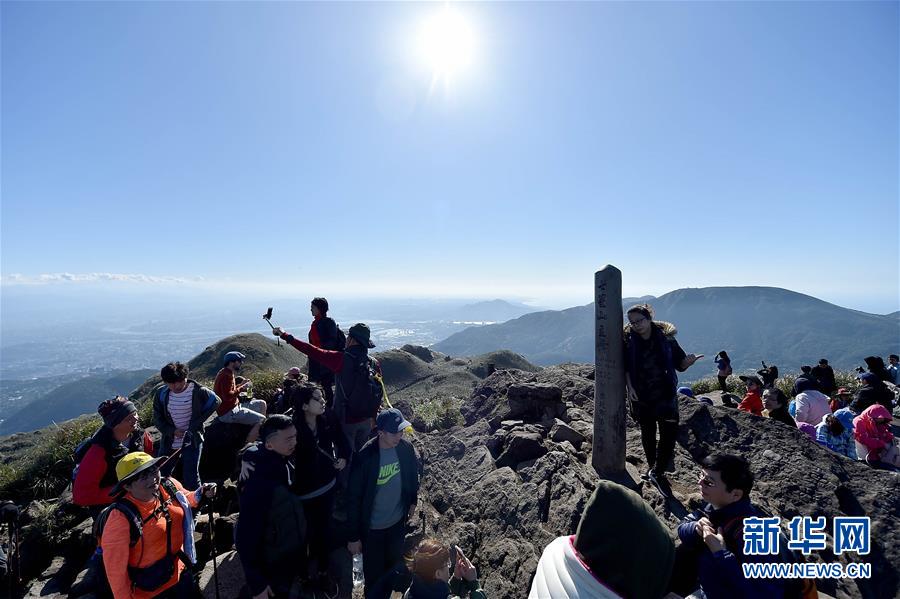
{"x": 782, "y": 327}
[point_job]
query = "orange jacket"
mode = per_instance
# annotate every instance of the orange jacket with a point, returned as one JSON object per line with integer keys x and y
{"x": 118, "y": 556}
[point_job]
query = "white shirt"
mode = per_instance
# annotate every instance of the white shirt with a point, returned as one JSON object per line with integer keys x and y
{"x": 180, "y": 408}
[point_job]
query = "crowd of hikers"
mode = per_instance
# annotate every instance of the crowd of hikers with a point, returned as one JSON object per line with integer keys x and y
{"x": 328, "y": 481}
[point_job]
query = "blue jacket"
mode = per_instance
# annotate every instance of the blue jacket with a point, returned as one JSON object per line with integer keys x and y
{"x": 720, "y": 573}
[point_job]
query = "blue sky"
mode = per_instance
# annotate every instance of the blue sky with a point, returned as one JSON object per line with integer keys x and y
{"x": 304, "y": 147}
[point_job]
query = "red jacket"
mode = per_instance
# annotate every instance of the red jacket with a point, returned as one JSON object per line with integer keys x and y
{"x": 87, "y": 489}
{"x": 227, "y": 391}
{"x": 752, "y": 403}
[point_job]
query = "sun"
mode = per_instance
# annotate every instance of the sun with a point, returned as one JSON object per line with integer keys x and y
{"x": 446, "y": 43}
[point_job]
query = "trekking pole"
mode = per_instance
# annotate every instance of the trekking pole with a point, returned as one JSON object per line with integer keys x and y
{"x": 212, "y": 545}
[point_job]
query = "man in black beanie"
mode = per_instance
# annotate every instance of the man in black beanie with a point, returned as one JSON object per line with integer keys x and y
{"x": 620, "y": 549}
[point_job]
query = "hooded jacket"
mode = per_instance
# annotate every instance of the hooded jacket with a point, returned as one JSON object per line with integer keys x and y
{"x": 843, "y": 444}
{"x": 314, "y": 468}
{"x": 271, "y": 527}
{"x": 812, "y": 406}
{"x": 203, "y": 403}
{"x": 872, "y": 435}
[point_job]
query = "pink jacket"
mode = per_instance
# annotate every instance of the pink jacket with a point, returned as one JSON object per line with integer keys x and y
{"x": 868, "y": 432}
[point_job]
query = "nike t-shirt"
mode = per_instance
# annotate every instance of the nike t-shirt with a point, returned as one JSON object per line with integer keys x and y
{"x": 387, "y": 509}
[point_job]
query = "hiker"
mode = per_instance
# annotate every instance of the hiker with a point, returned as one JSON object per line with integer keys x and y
{"x": 752, "y": 401}
{"x": 805, "y": 380}
{"x": 609, "y": 556}
{"x": 712, "y": 545}
{"x": 848, "y": 413}
{"x": 180, "y": 407}
{"x": 768, "y": 374}
{"x": 271, "y": 526}
{"x": 893, "y": 369}
{"x": 322, "y": 451}
{"x": 652, "y": 356}
{"x": 776, "y": 402}
{"x": 96, "y": 458}
{"x": 355, "y": 401}
{"x": 841, "y": 399}
{"x": 875, "y": 441}
{"x": 440, "y": 572}
{"x": 686, "y": 391}
{"x": 381, "y": 498}
{"x": 324, "y": 333}
{"x": 832, "y": 433}
{"x": 146, "y": 538}
{"x": 824, "y": 374}
{"x": 873, "y": 391}
{"x": 811, "y": 404}
{"x": 875, "y": 365}
{"x": 723, "y": 364}
{"x": 227, "y": 388}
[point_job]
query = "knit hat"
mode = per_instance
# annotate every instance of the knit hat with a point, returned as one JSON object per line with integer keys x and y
{"x": 113, "y": 411}
{"x": 618, "y": 536}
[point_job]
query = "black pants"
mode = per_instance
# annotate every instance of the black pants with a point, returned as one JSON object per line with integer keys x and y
{"x": 684, "y": 579}
{"x": 382, "y": 552}
{"x": 658, "y": 457}
{"x": 318, "y": 529}
{"x": 722, "y": 384}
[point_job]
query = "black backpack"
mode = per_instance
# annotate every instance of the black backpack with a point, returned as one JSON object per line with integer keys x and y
{"x": 366, "y": 395}
{"x": 340, "y": 339}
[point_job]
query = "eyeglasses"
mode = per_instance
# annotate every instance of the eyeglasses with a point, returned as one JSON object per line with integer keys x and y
{"x": 152, "y": 473}
{"x": 636, "y": 321}
{"x": 706, "y": 481}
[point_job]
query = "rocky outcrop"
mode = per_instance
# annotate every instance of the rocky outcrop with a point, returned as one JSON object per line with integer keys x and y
{"x": 518, "y": 474}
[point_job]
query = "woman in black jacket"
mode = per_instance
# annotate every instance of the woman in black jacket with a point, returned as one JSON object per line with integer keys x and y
{"x": 322, "y": 450}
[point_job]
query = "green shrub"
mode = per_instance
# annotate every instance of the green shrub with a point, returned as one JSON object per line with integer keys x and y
{"x": 47, "y": 468}
{"x": 439, "y": 411}
{"x": 266, "y": 383}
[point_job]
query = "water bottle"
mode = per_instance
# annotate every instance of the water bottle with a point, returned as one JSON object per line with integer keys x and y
{"x": 358, "y": 577}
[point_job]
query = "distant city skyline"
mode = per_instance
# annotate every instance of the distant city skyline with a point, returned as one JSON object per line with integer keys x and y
{"x": 386, "y": 149}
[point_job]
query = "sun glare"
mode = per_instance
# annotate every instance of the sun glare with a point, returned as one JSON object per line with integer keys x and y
{"x": 446, "y": 43}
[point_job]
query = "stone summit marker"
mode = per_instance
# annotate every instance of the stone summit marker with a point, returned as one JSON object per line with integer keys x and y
{"x": 609, "y": 375}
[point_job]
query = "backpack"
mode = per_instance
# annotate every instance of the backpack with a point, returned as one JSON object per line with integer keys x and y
{"x": 148, "y": 578}
{"x": 367, "y": 393}
{"x": 340, "y": 339}
{"x": 134, "y": 442}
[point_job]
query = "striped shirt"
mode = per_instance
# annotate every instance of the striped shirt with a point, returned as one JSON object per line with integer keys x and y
{"x": 180, "y": 408}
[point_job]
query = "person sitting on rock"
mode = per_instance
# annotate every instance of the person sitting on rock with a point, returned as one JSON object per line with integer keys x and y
{"x": 381, "y": 498}
{"x": 723, "y": 367}
{"x": 96, "y": 458}
{"x": 841, "y": 399}
{"x": 873, "y": 391}
{"x": 231, "y": 411}
{"x": 321, "y": 452}
{"x": 180, "y": 409}
{"x": 848, "y": 413}
{"x": 271, "y": 527}
{"x": 825, "y": 375}
{"x": 768, "y": 374}
{"x": 875, "y": 365}
{"x": 776, "y": 402}
{"x": 154, "y": 563}
{"x": 617, "y": 537}
{"x": 835, "y": 436}
{"x": 440, "y": 572}
{"x": 712, "y": 544}
{"x": 811, "y": 404}
{"x": 876, "y": 445}
{"x": 652, "y": 357}
{"x": 893, "y": 369}
{"x": 805, "y": 379}
{"x": 752, "y": 401}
